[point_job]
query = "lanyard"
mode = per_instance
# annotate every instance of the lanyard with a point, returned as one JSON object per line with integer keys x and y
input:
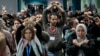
{"x": 28, "y": 50}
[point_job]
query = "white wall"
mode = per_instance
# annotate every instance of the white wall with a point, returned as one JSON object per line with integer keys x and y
{"x": 69, "y": 3}
{"x": 97, "y": 5}
{"x": 22, "y": 4}
{"x": 83, "y": 2}
{"x": 11, "y": 5}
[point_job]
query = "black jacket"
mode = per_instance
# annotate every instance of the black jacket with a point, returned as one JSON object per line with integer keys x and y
{"x": 88, "y": 49}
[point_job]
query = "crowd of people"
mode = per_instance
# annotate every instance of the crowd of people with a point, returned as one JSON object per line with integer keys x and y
{"x": 51, "y": 32}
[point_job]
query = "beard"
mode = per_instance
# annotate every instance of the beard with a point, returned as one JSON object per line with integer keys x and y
{"x": 54, "y": 24}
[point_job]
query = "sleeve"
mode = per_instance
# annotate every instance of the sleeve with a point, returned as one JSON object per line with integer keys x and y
{"x": 70, "y": 48}
{"x": 39, "y": 31}
{"x": 45, "y": 17}
{"x": 9, "y": 40}
{"x": 8, "y": 51}
{"x": 18, "y": 33}
{"x": 63, "y": 17}
{"x": 89, "y": 48}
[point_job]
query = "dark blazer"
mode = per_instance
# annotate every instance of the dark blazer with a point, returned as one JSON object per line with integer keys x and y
{"x": 88, "y": 49}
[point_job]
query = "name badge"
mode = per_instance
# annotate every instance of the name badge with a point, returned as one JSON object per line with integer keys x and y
{"x": 52, "y": 38}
